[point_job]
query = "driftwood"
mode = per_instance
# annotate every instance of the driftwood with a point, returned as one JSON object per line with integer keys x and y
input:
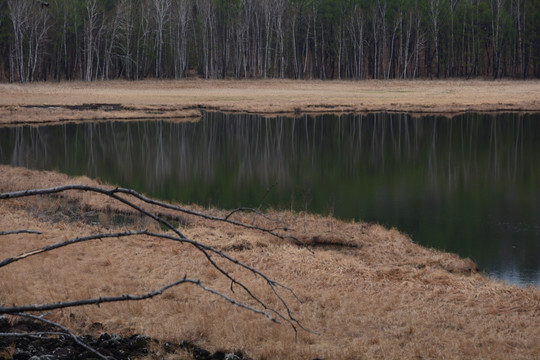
{"x": 122, "y": 195}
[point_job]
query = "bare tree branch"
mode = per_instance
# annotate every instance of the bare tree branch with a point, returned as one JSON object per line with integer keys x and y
{"x": 206, "y": 250}
{"x": 209, "y": 217}
{"x": 257, "y": 211}
{"x": 17, "y": 310}
{"x": 261, "y": 214}
{"x": 113, "y": 194}
{"x": 26, "y": 254}
{"x": 14, "y": 232}
{"x": 66, "y": 332}
{"x": 34, "y": 335}
{"x": 201, "y": 247}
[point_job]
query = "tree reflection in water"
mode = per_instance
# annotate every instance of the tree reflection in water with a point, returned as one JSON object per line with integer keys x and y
{"x": 469, "y": 184}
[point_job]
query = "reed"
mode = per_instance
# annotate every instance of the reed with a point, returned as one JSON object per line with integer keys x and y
{"x": 48, "y": 102}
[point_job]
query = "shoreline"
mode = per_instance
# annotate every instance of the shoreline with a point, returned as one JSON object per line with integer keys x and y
{"x": 363, "y": 288}
{"x": 35, "y": 103}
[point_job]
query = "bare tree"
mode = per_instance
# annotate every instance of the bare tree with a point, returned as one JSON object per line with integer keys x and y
{"x": 126, "y": 28}
{"x": 90, "y": 26}
{"x": 280, "y": 7}
{"x": 19, "y": 15}
{"x": 143, "y": 35}
{"x": 111, "y": 27}
{"x": 397, "y": 24}
{"x": 434, "y": 12}
{"x": 160, "y": 11}
{"x": 453, "y": 4}
{"x": 31, "y": 24}
{"x": 356, "y": 29}
{"x": 496, "y": 10}
{"x": 40, "y": 25}
{"x": 208, "y": 34}
{"x": 268, "y": 9}
{"x": 262, "y": 38}
{"x": 179, "y": 37}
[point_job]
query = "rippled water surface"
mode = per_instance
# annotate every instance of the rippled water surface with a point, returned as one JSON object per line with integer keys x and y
{"x": 470, "y": 184}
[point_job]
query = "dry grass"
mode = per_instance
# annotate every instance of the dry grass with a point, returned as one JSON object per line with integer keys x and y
{"x": 368, "y": 291}
{"x": 46, "y": 102}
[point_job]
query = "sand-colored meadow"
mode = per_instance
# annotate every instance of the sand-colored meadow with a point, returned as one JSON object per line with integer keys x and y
{"x": 75, "y": 101}
{"x": 367, "y": 292}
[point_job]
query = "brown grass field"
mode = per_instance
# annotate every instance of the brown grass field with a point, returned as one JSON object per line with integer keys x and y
{"x": 369, "y": 292}
{"x": 65, "y": 101}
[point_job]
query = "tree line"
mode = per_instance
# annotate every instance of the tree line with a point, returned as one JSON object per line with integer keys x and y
{"x": 300, "y": 39}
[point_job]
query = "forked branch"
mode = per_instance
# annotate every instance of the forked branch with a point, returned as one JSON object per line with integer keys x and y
{"x": 267, "y": 311}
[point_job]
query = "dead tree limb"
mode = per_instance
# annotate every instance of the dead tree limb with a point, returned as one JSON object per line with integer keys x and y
{"x": 66, "y": 332}
{"x": 101, "y": 300}
{"x": 257, "y": 212}
{"x": 113, "y": 193}
{"x": 15, "y": 232}
{"x": 34, "y": 335}
{"x": 206, "y": 250}
{"x": 41, "y": 250}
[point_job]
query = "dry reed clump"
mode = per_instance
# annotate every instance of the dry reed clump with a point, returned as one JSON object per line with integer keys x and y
{"x": 367, "y": 291}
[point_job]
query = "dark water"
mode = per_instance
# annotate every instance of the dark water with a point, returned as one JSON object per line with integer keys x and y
{"x": 469, "y": 185}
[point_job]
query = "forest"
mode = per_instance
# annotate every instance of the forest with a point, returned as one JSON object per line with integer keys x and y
{"x": 299, "y": 39}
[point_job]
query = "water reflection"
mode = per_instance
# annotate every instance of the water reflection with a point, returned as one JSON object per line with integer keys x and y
{"x": 468, "y": 184}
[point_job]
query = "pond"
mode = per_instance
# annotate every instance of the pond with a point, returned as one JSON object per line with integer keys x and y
{"x": 469, "y": 184}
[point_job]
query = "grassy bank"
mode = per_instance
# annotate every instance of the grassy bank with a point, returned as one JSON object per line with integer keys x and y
{"x": 74, "y": 101}
{"x": 368, "y": 292}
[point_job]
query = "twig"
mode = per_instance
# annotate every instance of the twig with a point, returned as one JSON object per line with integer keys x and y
{"x": 263, "y": 199}
{"x": 19, "y": 310}
{"x": 240, "y": 209}
{"x": 256, "y": 211}
{"x": 30, "y": 253}
{"x": 201, "y": 247}
{"x": 113, "y": 193}
{"x": 206, "y": 250}
{"x": 206, "y": 216}
{"x": 261, "y": 214}
{"x": 35, "y": 335}
{"x": 67, "y": 332}
{"x": 14, "y": 232}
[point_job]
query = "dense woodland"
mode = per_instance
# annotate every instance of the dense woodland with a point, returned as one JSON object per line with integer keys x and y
{"x": 301, "y": 39}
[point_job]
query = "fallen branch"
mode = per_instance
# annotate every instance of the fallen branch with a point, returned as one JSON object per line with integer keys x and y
{"x": 113, "y": 193}
{"x": 34, "y": 335}
{"x": 15, "y": 232}
{"x": 203, "y": 248}
{"x": 66, "y": 332}
{"x": 41, "y": 250}
{"x": 206, "y": 250}
{"x": 101, "y": 300}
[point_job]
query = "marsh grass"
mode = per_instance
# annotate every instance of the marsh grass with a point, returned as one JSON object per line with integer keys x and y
{"x": 368, "y": 292}
{"x": 183, "y": 99}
